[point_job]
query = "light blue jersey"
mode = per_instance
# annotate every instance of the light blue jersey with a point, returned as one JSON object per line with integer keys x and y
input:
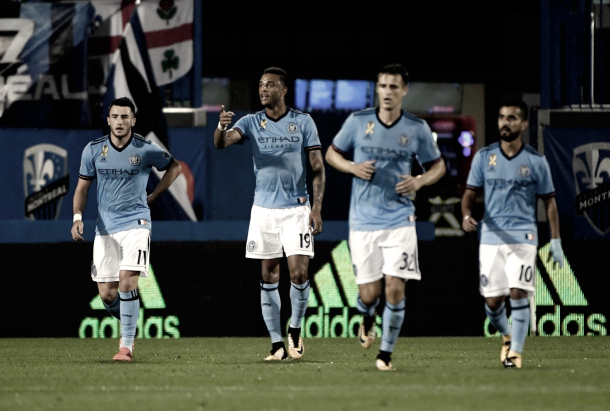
{"x": 122, "y": 176}
{"x": 280, "y": 147}
{"x": 375, "y": 204}
{"x": 511, "y": 187}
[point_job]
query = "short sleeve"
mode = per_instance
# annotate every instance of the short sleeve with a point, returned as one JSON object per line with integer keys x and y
{"x": 242, "y": 127}
{"x": 87, "y": 165}
{"x": 344, "y": 140}
{"x": 546, "y": 189}
{"x": 159, "y": 158}
{"x": 475, "y": 177}
{"x": 311, "y": 139}
{"x": 427, "y": 150}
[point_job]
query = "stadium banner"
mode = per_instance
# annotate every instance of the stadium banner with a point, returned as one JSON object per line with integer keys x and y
{"x": 40, "y": 169}
{"x": 579, "y": 159}
{"x": 43, "y": 64}
{"x": 186, "y": 295}
{"x": 167, "y": 24}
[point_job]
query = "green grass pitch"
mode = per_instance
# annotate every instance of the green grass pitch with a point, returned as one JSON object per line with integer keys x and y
{"x": 565, "y": 373}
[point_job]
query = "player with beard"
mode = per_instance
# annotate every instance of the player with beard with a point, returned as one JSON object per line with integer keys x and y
{"x": 382, "y": 237}
{"x": 512, "y": 175}
{"x": 281, "y": 219}
{"x": 121, "y": 162}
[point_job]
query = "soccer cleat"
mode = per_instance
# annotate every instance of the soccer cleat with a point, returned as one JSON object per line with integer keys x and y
{"x": 384, "y": 362}
{"x": 278, "y": 352}
{"x": 366, "y": 337}
{"x": 123, "y": 355}
{"x": 513, "y": 360}
{"x": 505, "y": 347}
{"x": 295, "y": 352}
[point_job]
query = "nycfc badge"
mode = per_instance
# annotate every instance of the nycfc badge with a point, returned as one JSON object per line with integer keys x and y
{"x": 134, "y": 160}
{"x": 524, "y": 171}
{"x": 292, "y": 128}
{"x": 404, "y": 140}
{"x": 484, "y": 280}
{"x": 93, "y": 270}
{"x": 251, "y": 246}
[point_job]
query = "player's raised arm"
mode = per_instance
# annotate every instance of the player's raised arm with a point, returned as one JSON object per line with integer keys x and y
{"x": 364, "y": 170}
{"x": 79, "y": 203}
{"x": 222, "y": 136}
{"x": 319, "y": 183}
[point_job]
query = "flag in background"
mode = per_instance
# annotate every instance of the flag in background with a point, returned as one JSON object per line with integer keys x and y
{"x": 167, "y": 24}
{"x": 131, "y": 75}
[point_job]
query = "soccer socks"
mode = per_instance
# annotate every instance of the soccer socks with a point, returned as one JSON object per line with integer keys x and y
{"x": 521, "y": 320}
{"x": 299, "y": 297}
{"x": 498, "y": 319}
{"x": 270, "y": 305}
{"x": 367, "y": 311}
{"x": 393, "y": 317}
{"x": 130, "y": 310}
{"x": 114, "y": 308}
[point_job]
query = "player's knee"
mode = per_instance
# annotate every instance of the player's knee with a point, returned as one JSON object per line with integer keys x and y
{"x": 108, "y": 296}
{"x": 271, "y": 277}
{"x": 298, "y": 276}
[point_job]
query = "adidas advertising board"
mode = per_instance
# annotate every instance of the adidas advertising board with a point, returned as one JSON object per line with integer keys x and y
{"x": 182, "y": 298}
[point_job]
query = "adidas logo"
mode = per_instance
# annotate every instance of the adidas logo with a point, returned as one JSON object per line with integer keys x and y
{"x": 331, "y": 311}
{"x": 150, "y": 298}
{"x": 558, "y": 287}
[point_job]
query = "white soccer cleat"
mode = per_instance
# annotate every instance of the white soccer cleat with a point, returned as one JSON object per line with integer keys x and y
{"x": 295, "y": 352}
{"x": 384, "y": 366}
{"x": 366, "y": 338}
{"x": 278, "y": 355}
{"x": 513, "y": 360}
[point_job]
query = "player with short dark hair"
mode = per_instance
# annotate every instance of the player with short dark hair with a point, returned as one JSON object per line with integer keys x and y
{"x": 121, "y": 162}
{"x": 382, "y": 237}
{"x": 513, "y": 175}
{"x": 281, "y": 219}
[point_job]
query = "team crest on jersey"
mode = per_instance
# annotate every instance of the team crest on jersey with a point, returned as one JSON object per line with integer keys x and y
{"x": 404, "y": 140}
{"x": 369, "y": 129}
{"x": 264, "y": 124}
{"x": 93, "y": 270}
{"x": 134, "y": 159}
{"x": 484, "y": 280}
{"x": 292, "y": 128}
{"x": 524, "y": 171}
{"x": 591, "y": 168}
{"x": 251, "y": 246}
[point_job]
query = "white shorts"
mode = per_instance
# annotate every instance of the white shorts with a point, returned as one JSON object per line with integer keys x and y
{"x": 507, "y": 266}
{"x": 390, "y": 252}
{"x": 273, "y": 228}
{"x": 125, "y": 250}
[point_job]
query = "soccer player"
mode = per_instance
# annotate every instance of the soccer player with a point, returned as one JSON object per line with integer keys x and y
{"x": 282, "y": 140}
{"x": 382, "y": 234}
{"x": 121, "y": 162}
{"x": 512, "y": 175}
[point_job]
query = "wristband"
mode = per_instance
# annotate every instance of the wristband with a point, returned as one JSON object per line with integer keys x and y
{"x": 77, "y": 217}
{"x": 221, "y": 128}
{"x": 466, "y": 217}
